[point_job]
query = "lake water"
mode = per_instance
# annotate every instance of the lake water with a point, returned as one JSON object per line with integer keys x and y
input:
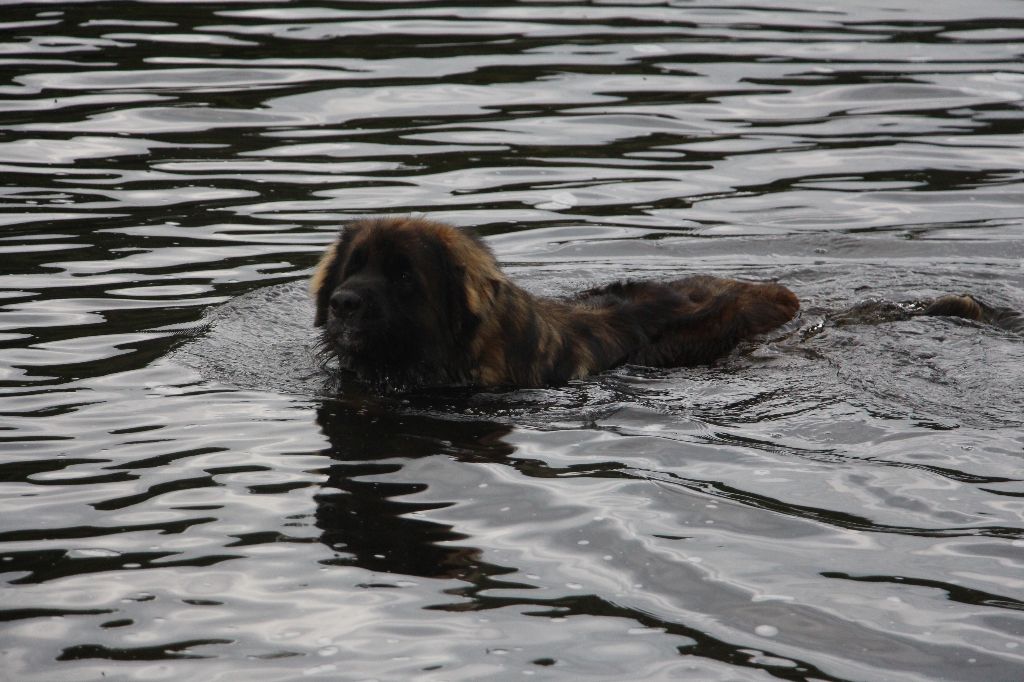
{"x": 183, "y": 495}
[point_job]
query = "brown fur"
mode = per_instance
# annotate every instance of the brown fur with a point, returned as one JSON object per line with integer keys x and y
{"x": 963, "y": 306}
{"x": 410, "y": 302}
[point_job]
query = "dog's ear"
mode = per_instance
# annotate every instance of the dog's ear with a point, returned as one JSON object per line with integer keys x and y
{"x": 323, "y": 281}
{"x": 325, "y": 276}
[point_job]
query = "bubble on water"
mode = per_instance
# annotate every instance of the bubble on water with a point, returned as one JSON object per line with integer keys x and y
{"x": 766, "y": 630}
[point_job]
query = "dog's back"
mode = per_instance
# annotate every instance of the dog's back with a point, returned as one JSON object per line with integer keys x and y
{"x": 694, "y": 320}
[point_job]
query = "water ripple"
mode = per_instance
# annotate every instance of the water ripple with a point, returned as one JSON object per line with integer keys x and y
{"x": 184, "y": 493}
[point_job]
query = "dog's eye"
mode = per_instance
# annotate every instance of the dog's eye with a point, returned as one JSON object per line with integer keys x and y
{"x": 400, "y": 270}
{"x": 356, "y": 261}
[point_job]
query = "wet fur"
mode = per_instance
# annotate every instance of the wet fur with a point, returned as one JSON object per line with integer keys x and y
{"x": 407, "y": 302}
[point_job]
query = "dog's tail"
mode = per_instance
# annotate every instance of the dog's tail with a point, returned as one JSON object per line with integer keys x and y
{"x": 952, "y": 305}
{"x": 969, "y": 307}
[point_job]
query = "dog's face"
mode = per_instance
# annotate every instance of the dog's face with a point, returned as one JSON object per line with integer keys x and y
{"x": 399, "y": 300}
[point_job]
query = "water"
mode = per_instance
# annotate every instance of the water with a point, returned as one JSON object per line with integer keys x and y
{"x": 183, "y": 495}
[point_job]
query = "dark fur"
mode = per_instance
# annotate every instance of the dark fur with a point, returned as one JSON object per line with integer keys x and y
{"x": 952, "y": 305}
{"x": 409, "y": 302}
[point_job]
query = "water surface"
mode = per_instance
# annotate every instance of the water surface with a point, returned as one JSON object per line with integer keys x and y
{"x": 184, "y": 496}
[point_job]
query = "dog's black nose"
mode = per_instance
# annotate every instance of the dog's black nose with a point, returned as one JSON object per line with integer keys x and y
{"x": 345, "y": 302}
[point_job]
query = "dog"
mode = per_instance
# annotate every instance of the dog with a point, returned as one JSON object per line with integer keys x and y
{"x": 409, "y": 302}
{"x": 406, "y": 302}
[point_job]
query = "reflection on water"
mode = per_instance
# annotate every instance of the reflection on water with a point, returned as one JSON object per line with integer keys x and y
{"x": 363, "y": 520}
{"x": 184, "y": 495}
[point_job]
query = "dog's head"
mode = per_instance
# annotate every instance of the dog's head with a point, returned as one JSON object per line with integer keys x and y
{"x": 399, "y": 299}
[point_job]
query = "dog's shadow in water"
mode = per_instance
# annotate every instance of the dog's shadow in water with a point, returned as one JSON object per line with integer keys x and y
{"x": 364, "y": 518}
